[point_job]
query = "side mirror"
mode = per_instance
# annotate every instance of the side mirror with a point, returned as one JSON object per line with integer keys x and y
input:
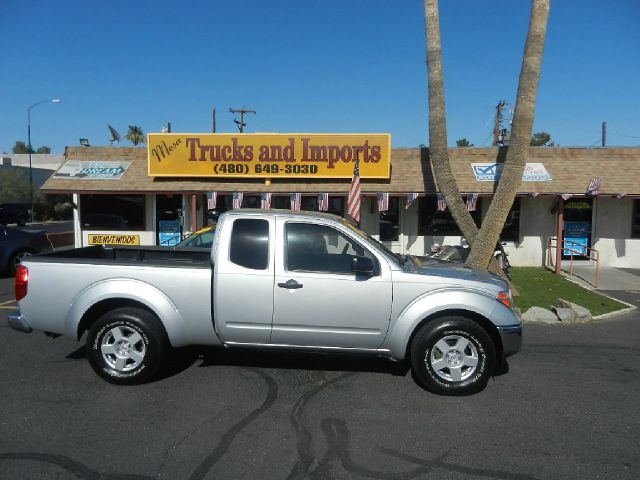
{"x": 362, "y": 266}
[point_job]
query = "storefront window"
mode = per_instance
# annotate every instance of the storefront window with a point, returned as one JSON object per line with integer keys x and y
{"x": 635, "y": 220}
{"x": 434, "y": 222}
{"x": 309, "y": 203}
{"x": 112, "y": 212}
{"x": 390, "y": 221}
{"x": 511, "y": 230}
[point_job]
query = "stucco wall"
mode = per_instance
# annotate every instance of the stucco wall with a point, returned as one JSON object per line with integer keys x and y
{"x": 612, "y": 236}
{"x": 537, "y": 224}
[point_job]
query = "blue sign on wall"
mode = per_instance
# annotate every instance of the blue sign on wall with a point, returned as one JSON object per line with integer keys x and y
{"x": 576, "y": 238}
{"x": 169, "y": 232}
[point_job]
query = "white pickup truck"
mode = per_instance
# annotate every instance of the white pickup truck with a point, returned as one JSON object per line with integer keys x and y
{"x": 273, "y": 279}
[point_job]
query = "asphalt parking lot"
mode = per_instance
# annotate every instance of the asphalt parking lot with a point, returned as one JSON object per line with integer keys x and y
{"x": 567, "y": 408}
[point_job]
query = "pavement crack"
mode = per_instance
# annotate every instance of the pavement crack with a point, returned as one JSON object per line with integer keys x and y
{"x": 227, "y": 438}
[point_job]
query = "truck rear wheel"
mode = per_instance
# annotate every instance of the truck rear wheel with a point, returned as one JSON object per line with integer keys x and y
{"x": 452, "y": 356}
{"x": 127, "y": 346}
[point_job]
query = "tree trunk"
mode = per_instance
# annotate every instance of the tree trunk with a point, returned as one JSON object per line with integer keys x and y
{"x": 493, "y": 223}
{"x": 438, "y": 148}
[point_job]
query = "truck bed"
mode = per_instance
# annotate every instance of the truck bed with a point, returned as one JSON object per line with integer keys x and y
{"x": 101, "y": 254}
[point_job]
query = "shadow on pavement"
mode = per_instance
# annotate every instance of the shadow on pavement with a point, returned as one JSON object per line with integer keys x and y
{"x": 183, "y": 358}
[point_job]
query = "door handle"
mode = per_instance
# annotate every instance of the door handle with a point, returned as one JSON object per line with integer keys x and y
{"x": 290, "y": 284}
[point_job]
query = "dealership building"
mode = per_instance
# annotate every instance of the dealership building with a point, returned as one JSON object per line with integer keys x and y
{"x": 180, "y": 182}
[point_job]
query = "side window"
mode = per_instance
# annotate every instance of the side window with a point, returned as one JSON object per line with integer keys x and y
{"x": 250, "y": 243}
{"x": 635, "y": 219}
{"x": 318, "y": 248}
{"x": 390, "y": 221}
{"x": 511, "y": 230}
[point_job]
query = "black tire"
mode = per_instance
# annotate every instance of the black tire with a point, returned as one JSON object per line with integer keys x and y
{"x": 452, "y": 372}
{"x": 134, "y": 343}
{"x": 22, "y": 221}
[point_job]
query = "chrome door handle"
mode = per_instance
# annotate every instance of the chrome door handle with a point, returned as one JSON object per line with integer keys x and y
{"x": 290, "y": 284}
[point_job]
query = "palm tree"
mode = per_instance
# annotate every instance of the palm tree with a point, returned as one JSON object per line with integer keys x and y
{"x": 493, "y": 223}
{"x": 135, "y": 135}
{"x": 438, "y": 149}
{"x": 483, "y": 242}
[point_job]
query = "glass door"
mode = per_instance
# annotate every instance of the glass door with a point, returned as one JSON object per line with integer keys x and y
{"x": 578, "y": 214}
{"x": 168, "y": 219}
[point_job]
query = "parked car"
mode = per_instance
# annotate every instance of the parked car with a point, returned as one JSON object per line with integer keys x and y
{"x": 13, "y": 213}
{"x": 274, "y": 279}
{"x": 203, "y": 238}
{"x": 16, "y": 245}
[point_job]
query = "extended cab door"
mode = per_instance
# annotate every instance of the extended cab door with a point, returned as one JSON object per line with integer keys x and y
{"x": 318, "y": 300}
{"x": 243, "y": 279}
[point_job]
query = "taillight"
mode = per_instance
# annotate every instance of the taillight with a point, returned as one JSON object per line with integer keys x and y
{"x": 505, "y": 299}
{"x": 22, "y": 280}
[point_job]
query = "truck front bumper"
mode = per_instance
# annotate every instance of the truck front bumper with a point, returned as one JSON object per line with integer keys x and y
{"x": 19, "y": 323}
{"x": 511, "y": 339}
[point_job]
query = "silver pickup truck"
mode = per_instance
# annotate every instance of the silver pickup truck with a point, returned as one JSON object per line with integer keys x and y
{"x": 273, "y": 279}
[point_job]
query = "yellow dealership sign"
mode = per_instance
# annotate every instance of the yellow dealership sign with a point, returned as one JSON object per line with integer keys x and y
{"x": 106, "y": 239}
{"x": 268, "y": 155}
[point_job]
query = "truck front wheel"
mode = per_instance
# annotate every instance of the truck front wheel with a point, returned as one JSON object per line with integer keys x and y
{"x": 126, "y": 346}
{"x": 452, "y": 356}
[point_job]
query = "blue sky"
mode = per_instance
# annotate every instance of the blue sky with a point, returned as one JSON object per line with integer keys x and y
{"x": 308, "y": 66}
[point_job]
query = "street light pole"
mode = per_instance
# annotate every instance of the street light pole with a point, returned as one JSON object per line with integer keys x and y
{"x": 54, "y": 100}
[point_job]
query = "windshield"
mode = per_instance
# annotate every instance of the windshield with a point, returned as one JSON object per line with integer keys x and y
{"x": 382, "y": 248}
{"x": 198, "y": 240}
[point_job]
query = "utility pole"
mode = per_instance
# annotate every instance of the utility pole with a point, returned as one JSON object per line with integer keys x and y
{"x": 604, "y": 134}
{"x": 498, "y": 123}
{"x": 240, "y": 122}
{"x": 213, "y": 123}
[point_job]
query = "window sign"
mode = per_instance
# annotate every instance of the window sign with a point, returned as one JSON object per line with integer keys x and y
{"x": 169, "y": 233}
{"x": 109, "y": 239}
{"x": 576, "y": 238}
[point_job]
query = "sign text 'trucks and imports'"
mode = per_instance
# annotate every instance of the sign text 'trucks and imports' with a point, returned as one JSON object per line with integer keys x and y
{"x": 262, "y": 155}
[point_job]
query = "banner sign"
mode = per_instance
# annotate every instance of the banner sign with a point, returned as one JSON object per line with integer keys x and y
{"x": 92, "y": 170}
{"x": 490, "y": 172}
{"x": 107, "y": 239}
{"x": 268, "y": 155}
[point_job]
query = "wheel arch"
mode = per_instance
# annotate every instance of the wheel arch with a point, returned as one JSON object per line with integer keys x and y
{"x": 103, "y": 296}
{"x": 100, "y": 308}
{"x": 476, "y": 317}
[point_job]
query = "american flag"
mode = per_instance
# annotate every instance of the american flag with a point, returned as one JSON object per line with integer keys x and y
{"x": 323, "y": 202}
{"x": 296, "y": 200}
{"x": 411, "y": 197}
{"x": 265, "y": 200}
{"x": 472, "y": 200}
{"x": 566, "y": 196}
{"x": 383, "y": 201}
{"x": 594, "y": 186}
{"x": 212, "y": 199}
{"x": 237, "y": 199}
{"x": 442, "y": 203}
{"x": 353, "y": 200}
